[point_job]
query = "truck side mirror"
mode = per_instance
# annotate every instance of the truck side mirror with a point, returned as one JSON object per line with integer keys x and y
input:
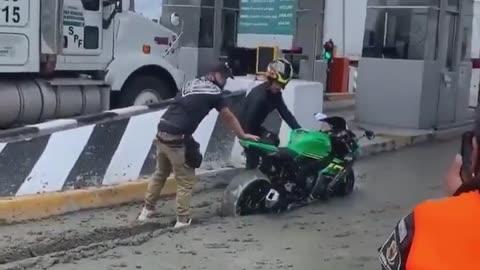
{"x": 175, "y": 19}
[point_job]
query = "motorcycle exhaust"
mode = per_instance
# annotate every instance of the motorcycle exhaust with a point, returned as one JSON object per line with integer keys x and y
{"x": 318, "y": 188}
{"x": 272, "y": 198}
{"x": 337, "y": 178}
{"x": 321, "y": 186}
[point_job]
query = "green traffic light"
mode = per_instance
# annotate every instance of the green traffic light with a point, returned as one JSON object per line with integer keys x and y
{"x": 327, "y": 56}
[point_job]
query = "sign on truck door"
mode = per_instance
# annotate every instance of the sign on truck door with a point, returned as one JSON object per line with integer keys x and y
{"x": 82, "y": 27}
{"x": 14, "y": 12}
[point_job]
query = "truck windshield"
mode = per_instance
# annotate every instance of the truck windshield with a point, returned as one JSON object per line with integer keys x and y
{"x": 149, "y": 8}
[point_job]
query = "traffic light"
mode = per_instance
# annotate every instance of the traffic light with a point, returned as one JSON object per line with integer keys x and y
{"x": 328, "y": 50}
{"x": 327, "y": 55}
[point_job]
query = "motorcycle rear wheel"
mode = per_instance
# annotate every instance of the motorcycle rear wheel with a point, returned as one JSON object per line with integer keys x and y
{"x": 245, "y": 195}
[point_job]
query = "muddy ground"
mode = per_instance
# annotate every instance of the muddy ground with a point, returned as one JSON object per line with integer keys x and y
{"x": 341, "y": 234}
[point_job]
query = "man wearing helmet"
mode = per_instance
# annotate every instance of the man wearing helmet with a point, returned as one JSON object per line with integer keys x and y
{"x": 177, "y": 151}
{"x": 262, "y": 100}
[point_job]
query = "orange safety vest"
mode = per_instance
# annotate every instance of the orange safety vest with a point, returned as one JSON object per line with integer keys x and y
{"x": 447, "y": 234}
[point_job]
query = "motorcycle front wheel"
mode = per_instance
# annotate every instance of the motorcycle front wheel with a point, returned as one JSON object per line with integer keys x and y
{"x": 346, "y": 186}
{"x": 245, "y": 195}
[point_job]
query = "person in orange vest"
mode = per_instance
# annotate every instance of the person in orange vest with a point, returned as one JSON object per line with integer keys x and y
{"x": 442, "y": 234}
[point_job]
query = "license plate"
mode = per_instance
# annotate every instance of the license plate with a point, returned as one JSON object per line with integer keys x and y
{"x": 14, "y": 12}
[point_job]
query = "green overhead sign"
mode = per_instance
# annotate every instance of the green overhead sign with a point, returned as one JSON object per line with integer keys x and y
{"x": 267, "y": 17}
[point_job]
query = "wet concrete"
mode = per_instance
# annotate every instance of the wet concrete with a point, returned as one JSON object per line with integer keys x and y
{"x": 86, "y": 234}
{"x": 341, "y": 234}
{"x": 33, "y": 239}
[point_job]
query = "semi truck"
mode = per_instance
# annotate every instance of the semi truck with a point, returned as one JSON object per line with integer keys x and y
{"x": 65, "y": 58}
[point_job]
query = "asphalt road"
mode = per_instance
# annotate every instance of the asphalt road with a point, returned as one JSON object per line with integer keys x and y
{"x": 341, "y": 234}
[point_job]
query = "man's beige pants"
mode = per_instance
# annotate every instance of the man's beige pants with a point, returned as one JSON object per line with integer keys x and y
{"x": 171, "y": 157}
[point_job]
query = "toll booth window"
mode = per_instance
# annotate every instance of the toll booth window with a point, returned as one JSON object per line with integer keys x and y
{"x": 207, "y": 28}
{"x": 208, "y": 3}
{"x": 313, "y": 5}
{"x": 265, "y": 56}
{"x": 229, "y": 29}
{"x": 431, "y": 3}
{"x": 91, "y": 5}
{"x": 454, "y": 4}
{"x": 235, "y": 4}
{"x": 205, "y": 3}
{"x": 396, "y": 33}
{"x": 91, "y": 36}
{"x": 467, "y": 39}
{"x": 465, "y": 52}
{"x": 452, "y": 20}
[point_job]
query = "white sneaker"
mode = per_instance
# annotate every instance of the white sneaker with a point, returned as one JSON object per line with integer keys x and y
{"x": 145, "y": 214}
{"x": 180, "y": 225}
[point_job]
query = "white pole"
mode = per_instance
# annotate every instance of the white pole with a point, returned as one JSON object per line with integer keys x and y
{"x": 315, "y": 51}
{"x": 132, "y": 5}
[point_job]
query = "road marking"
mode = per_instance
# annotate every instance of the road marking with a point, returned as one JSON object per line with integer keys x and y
{"x": 204, "y": 131}
{"x": 137, "y": 140}
{"x": 126, "y": 164}
{"x": 2, "y": 145}
{"x": 56, "y": 162}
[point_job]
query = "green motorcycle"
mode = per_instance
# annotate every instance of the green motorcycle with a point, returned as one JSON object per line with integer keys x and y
{"x": 314, "y": 165}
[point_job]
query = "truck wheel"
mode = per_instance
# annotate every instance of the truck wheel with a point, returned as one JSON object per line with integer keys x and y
{"x": 144, "y": 90}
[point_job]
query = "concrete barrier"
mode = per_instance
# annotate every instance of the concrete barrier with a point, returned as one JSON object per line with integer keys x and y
{"x": 92, "y": 161}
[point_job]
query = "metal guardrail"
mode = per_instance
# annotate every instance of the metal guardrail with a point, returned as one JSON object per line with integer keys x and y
{"x": 45, "y": 128}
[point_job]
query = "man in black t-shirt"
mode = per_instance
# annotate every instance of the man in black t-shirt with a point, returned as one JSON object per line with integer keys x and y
{"x": 176, "y": 149}
{"x": 262, "y": 100}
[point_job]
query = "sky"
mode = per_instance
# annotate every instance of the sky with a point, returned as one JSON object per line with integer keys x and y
{"x": 149, "y": 8}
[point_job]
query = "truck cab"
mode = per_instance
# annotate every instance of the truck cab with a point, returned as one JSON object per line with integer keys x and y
{"x": 63, "y": 58}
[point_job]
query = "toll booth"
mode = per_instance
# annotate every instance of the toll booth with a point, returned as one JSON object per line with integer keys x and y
{"x": 211, "y": 28}
{"x": 415, "y": 69}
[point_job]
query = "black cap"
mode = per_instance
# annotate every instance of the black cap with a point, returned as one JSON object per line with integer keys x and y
{"x": 224, "y": 69}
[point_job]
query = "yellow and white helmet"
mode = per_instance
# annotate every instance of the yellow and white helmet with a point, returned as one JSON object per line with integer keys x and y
{"x": 280, "y": 70}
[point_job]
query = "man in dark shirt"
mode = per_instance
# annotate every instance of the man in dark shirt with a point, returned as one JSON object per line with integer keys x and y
{"x": 175, "y": 144}
{"x": 262, "y": 100}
